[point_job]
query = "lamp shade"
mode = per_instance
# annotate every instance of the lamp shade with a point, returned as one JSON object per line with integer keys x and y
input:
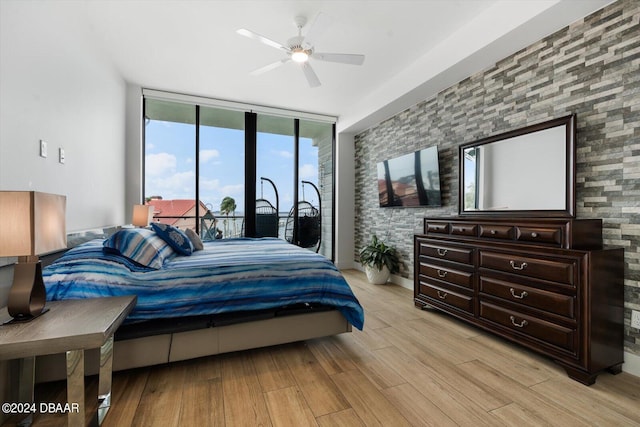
{"x": 142, "y": 215}
{"x": 31, "y": 223}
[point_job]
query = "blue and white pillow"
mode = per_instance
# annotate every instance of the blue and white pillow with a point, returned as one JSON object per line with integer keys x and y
{"x": 175, "y": 237}
{"x": 140, "y": 245}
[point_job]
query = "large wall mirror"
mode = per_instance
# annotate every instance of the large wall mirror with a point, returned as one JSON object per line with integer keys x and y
{"x": 525, "y": 172}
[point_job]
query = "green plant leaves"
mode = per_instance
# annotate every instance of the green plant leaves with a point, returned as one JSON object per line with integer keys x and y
{"x": 377, "y": 253}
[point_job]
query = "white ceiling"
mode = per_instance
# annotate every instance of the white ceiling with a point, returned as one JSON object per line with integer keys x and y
{"x": 413, "y": 48}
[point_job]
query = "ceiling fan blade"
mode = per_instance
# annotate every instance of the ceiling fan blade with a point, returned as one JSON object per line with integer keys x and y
{"x": 343, "y": 58}
{"x": 311, "y": 76}
{"x": 261, "y": 39}
{"x": 269, "y": 67}
{"x": 320, "y": 24}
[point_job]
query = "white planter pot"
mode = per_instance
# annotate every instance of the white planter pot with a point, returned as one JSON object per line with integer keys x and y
{"x": 375, "y": 276}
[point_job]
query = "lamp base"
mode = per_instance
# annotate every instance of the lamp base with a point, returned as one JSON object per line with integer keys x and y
{"x": 23, "y": 319}
{"x": 27, "y": 295}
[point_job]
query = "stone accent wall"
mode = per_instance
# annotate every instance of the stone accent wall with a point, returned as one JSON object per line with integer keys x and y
{"x": 591, "y": 68}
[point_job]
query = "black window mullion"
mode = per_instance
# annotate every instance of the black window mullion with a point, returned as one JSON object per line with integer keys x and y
{"x": 296, "y": 177}
{"x": 144, "y": 143}
{"x": 197, "y": 169}
{"x": 250, "y": 147}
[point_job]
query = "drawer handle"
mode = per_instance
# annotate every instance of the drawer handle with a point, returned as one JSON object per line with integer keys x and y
{"x": 441, "y": 295}
{"x": 518, "y": 325}
{"x": 534, "y": 234}
{"x": 518, "y": 267}
{"x": 521, "y": 296}
{"x": 442, "y": 273}
{"x": 442, "y": 252}
{"x": 493, "y": 232}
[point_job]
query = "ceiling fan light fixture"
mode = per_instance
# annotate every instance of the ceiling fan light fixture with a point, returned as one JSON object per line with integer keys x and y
{"x": 299, "y": 55}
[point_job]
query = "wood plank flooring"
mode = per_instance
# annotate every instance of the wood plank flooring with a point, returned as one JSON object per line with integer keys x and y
{"x": 408, "y": 367}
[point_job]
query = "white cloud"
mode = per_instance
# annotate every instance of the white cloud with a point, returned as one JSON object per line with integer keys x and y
{"x": 209, "y": 184}
{"x": 160, "y": 163}
{"x": 181, "y": 181}
{"x": 230, "y": 190}
{"x": 308, "y": 172}
{"x": 206, "y": 155}
{"x": 286, "y": 154}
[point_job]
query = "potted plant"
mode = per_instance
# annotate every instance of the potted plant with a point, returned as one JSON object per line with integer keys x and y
{"x": 379, "y": 261}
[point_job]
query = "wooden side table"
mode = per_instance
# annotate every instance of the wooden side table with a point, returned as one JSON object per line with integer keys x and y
{"x": 70, "y": 327}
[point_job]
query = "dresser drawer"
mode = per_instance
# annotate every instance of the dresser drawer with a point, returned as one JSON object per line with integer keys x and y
{"x": 450, "y": 275}
{"x": 557, "y": 271}
{"x": 464, "y": 229}
{"x": 552, "y": 302}
{"x": 495, "y": 231}
{"x": 447, "y": 253}
{"x": 546, "y": 235}
{"x": 551, "y": 333}
{"x": 441, "y": 227}
{"x": 447, "y": 296}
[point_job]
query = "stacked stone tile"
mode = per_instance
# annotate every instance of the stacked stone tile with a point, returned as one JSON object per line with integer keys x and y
{"x": 590, "y": 68}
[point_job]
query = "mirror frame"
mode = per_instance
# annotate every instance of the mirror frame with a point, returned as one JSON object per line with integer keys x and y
{"x": 570, "y": 171}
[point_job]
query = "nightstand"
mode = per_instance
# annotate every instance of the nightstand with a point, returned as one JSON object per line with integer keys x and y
{"x": 70, "y": 327}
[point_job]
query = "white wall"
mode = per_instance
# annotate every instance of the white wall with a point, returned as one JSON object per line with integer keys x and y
{"x": 56, "y": 85}
{"x": 345, "y": 204}
{"x": 133, "y": 150}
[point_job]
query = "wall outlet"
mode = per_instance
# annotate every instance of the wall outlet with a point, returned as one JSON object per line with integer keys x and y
{"x": 635, "y": 319}
{"x": 43, "y": 148}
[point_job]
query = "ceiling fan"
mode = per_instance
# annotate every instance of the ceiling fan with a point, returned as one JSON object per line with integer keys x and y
{"x": 300, "y": 48}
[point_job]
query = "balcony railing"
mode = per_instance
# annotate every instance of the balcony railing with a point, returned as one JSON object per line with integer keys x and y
{"x": 222, "y": 227}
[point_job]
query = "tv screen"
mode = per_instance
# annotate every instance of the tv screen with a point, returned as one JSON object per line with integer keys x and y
{"x": 410, "y": 180}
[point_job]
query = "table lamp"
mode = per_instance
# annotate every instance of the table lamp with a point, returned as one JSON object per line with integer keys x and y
{"x": 31, "y": 224}
{"x": 142, "y": 215}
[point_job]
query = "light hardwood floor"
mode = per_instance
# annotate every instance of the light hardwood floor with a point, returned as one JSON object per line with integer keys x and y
{"x": 408, "y": 367}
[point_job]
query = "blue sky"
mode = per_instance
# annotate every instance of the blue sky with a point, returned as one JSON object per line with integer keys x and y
{"x": 170, "y": 164}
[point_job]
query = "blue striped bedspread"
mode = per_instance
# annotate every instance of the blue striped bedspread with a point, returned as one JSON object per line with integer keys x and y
{"x": 228, "y": 275}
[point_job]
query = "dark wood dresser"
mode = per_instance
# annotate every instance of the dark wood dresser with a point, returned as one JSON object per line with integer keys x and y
{"x": 546, "y": 284}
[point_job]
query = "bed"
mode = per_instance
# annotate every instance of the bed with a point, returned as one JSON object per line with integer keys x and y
{"x": 234, "y": 294}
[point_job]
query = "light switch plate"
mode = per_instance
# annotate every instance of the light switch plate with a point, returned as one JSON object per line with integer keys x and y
{"x": 43, "y": 148}
{"x": 61, "y": 155}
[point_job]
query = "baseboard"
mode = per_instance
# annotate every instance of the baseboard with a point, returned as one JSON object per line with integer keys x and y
{"x": 396, "y": 280}
{"x": 401, "y": 281}
{"x": 631, "y": 364}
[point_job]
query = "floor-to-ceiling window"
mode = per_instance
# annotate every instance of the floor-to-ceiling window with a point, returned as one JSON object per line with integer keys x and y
{"x": 315, "y": 171}
{"x": 275, "y": 165}
{"x": 169, "y": 162}
{"x": 221, "y": 176}
{"x": 200, "y": 153}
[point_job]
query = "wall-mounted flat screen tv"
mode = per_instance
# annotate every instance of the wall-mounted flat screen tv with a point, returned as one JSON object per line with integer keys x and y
{"x": 410, "y": 180}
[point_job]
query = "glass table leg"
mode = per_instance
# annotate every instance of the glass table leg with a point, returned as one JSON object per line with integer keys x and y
{"x": 75, "y": 387}
{"x": 104, "y": 381}
{"x": 23, "y": 381}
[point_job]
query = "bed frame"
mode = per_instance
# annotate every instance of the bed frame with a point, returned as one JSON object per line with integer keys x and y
{"x": 155, "y": 349}
{"x": 171, "y": 340}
